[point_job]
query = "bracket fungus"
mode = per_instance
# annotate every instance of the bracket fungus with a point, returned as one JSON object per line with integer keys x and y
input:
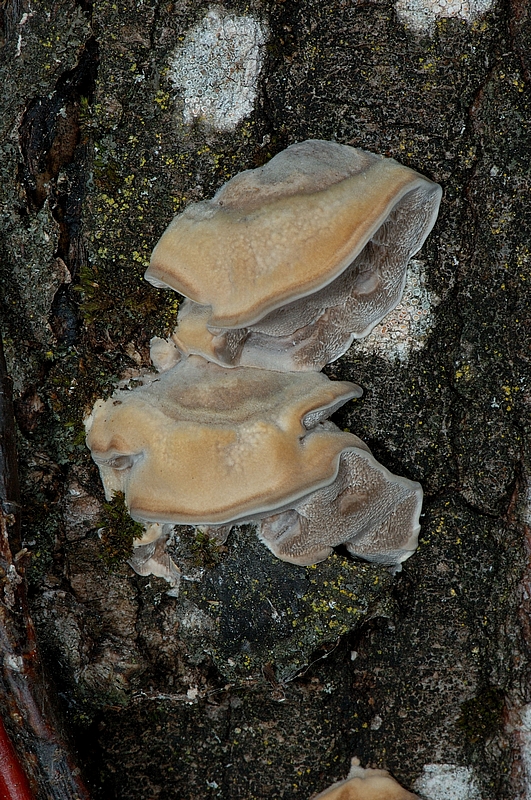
{"x": 289, "y": 262}
{"x": 281, "y": 270}
{"x": 150, "y": 556}
{"x": 203, "y": 445}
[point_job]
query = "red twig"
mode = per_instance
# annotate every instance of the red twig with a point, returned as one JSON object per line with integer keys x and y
{"x": 48, "y": 771}
{"x": 13, "y": 782}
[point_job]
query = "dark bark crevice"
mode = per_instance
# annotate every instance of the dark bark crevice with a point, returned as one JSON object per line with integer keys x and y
{"x": 55, "y": 152}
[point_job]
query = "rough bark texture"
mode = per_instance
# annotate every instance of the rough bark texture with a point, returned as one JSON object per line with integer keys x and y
{"x": 43, "y": 765}
{"x": 262, "y": 679}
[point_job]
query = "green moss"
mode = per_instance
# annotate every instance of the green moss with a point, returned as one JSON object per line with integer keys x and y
{"x": 118, "y": 532}
{"x": 206, "y": 550}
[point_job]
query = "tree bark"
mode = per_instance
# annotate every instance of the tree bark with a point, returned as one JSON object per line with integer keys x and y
{"x": 263, "y": 679}
{"x": 48, "y": 770}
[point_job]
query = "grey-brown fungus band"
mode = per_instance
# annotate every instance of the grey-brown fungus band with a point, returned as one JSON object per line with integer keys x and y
{"x": 288, "y": 263}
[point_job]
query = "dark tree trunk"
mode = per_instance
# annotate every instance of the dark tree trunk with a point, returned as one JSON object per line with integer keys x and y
{"x": 263, "y": 679}
{"x": 43, "y": 765}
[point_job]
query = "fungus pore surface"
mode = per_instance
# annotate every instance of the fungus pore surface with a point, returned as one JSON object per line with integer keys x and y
{"x": 373, "y": 513}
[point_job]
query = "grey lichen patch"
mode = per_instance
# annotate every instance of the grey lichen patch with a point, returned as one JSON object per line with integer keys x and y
{"x": 260, "y": 610}
{"x": 35, "y": 272}
{"x": 441, "y": 781}
{"x": 420, "y": 15}
{"x": 216, "y": 68}
{"x": 405, "y": 329}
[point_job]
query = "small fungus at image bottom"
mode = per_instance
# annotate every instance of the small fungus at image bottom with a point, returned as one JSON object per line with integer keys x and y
{"x": 366, "y": 784}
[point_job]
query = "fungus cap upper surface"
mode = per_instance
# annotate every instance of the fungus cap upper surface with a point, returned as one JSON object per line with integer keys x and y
{"x": 278, "y": 233}
{"x": 202, "y": 444}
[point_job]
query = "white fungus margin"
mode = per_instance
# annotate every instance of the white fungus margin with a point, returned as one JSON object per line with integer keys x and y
{"x": 216, "y": 68}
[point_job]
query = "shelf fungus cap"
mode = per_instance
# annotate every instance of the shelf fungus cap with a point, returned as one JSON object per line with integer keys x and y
{"x": 203, "y": 444}
{"x": 366, "y": 784}
{"x": 275, "y": 234}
